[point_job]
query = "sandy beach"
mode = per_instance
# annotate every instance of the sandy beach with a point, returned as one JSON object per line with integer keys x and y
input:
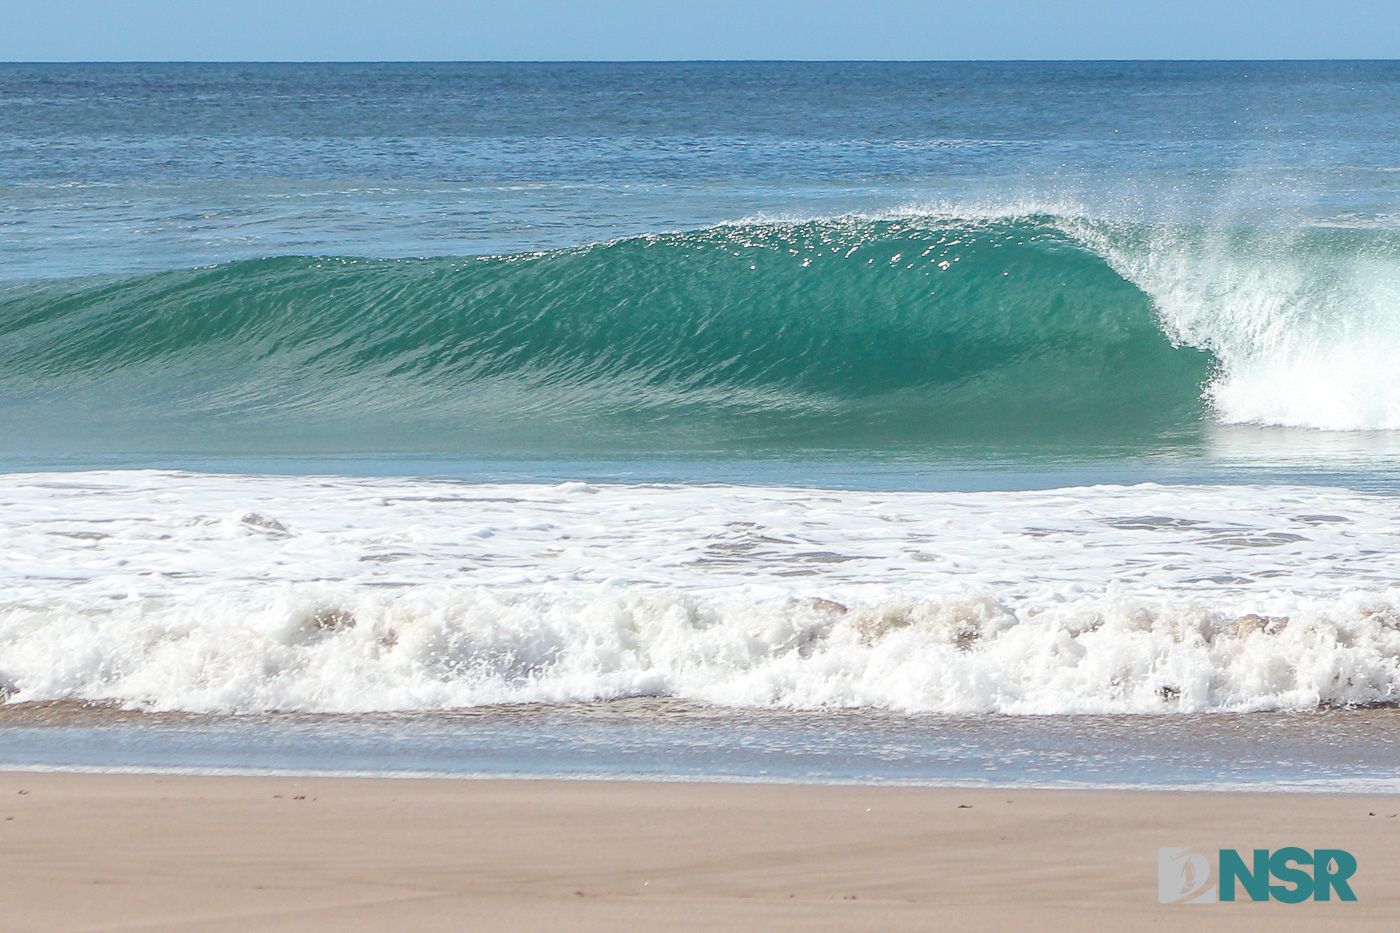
{"x": 150, "y": 852}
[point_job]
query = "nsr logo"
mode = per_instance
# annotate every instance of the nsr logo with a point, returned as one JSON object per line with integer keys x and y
{"x": 1184, "y": 876}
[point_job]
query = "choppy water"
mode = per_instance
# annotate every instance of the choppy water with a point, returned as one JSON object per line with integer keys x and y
{"x": 912, "y": 389}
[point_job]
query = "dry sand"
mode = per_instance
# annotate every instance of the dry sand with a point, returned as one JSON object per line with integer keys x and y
{"x": 144, "y": 852}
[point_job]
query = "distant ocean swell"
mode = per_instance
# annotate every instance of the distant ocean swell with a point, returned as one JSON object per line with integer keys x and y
{"x": 845, "y": 334}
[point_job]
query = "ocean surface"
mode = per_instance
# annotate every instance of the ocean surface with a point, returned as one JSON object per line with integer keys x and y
{"x": 979, "y": 423}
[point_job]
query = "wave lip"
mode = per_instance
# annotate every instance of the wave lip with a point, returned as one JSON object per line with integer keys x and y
{"x": 1303, "y": 324}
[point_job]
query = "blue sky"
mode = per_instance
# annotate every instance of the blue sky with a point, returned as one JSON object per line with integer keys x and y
{"x": 444, "y": 30}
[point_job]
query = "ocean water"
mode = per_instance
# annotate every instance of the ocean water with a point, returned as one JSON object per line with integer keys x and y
{"x": 943, "y": 423}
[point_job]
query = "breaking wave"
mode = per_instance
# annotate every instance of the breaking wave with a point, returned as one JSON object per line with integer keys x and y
{"x": 843, "y": 334}
{"x": 846, "y": 334}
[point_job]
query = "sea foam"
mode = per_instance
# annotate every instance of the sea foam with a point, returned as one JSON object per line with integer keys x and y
{"x": 243, "y": 594}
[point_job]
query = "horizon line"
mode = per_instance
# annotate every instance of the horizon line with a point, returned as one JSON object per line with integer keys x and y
{"x": 677, "y": 61}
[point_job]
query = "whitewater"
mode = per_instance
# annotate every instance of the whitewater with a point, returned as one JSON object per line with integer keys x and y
{"x": 241, "y": 594}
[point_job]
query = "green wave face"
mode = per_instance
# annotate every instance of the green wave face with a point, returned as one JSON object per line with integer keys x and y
{"x": 831, "y": 335}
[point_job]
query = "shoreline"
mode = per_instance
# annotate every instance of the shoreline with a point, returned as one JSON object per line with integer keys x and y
{"x": 1321, "y": 752}
{"x": 723, "y": 780}
{"x": 153, "y": 852}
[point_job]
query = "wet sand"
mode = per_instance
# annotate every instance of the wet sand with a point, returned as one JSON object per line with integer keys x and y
{"x": 144, "y": 852}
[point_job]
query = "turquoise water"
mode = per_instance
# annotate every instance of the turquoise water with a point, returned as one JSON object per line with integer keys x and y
{"x": 861, "y": 337}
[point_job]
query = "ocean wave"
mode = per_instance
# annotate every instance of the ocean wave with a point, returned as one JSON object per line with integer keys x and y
{"x": 855, "y": 333}
{"x": 839, "y": 333}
